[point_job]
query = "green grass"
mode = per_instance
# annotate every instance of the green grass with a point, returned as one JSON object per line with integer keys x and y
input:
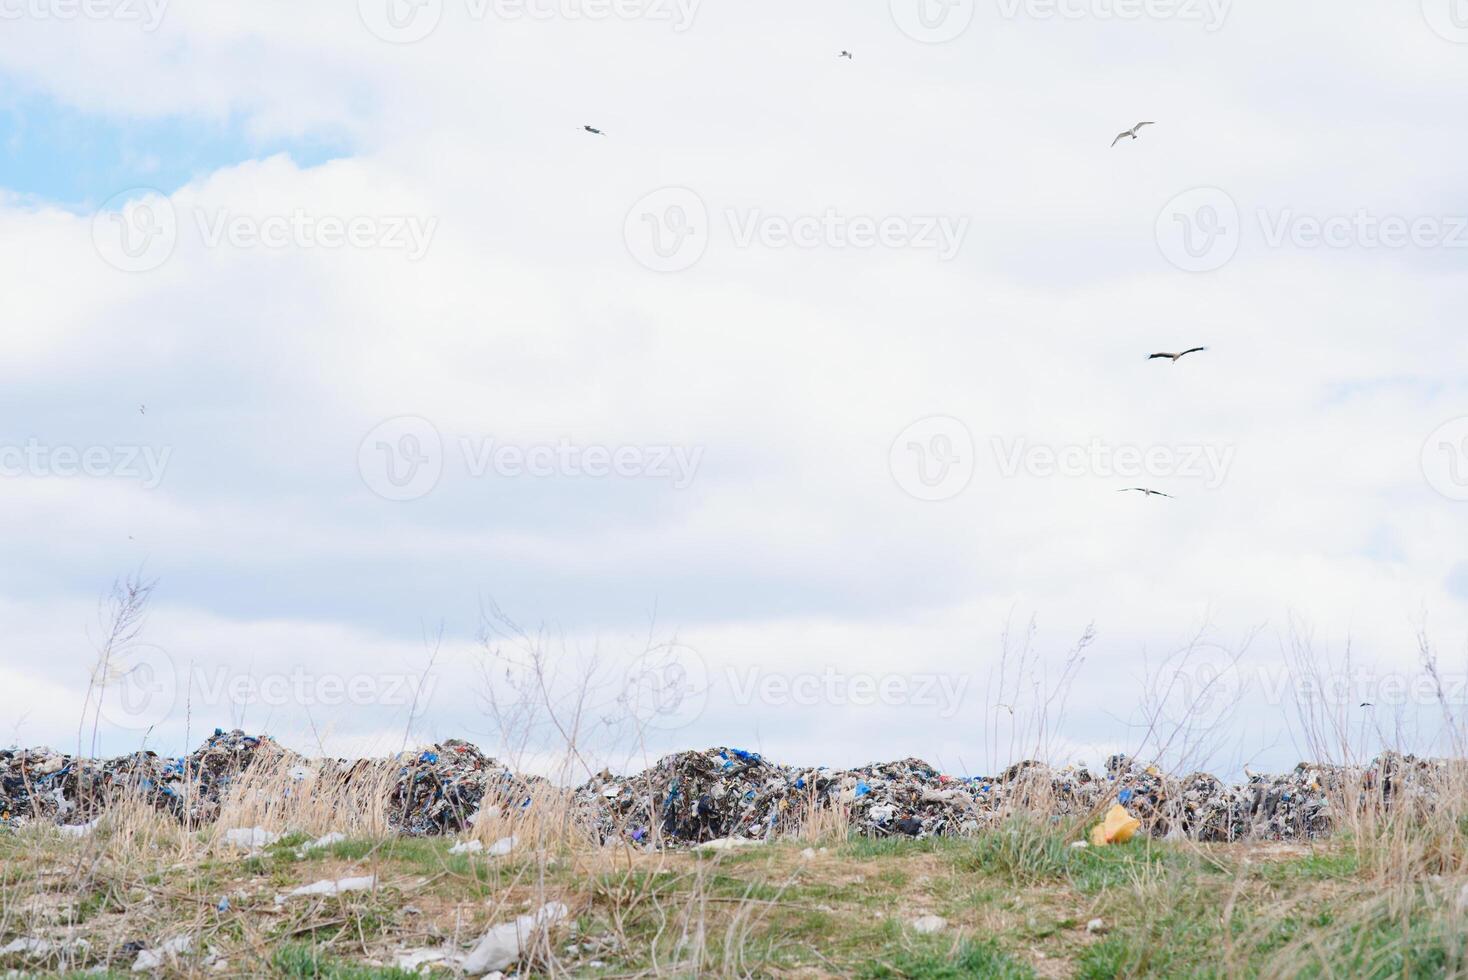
{"x": 1017, "y": 899}
{"x": 936, "y": 961}
{"x": 301, "y": 960}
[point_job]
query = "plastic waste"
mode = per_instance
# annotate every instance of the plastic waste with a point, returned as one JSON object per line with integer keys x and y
{"x": 1118, "y": 827}
{"x": 506, "y": 943}
{"x": 250, "y": 838}
{"x": 331, "y": 886}
{"x": 928, "y": 924}
{"x": 152, "y": 959}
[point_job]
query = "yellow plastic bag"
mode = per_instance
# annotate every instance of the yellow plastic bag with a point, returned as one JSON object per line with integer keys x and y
{"x": 1117, "y": 828}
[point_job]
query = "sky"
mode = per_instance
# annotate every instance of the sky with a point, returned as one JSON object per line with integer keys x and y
{"x": 789, "y": 412}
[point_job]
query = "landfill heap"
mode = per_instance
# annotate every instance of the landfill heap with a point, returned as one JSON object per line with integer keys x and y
{"x": 443, "y": 789}
{"x": 690, "y": 798}
{"x": 45, "y": 784}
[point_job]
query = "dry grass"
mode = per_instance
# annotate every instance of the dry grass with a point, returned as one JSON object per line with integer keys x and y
{"x": 1380, "y": 900}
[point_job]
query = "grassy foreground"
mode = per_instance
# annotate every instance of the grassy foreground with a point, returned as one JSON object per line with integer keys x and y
{"x": 1018, "y": 902}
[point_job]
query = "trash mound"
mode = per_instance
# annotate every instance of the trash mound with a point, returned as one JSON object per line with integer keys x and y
{"x": 444, "y": 788}
{"x": 723, "y": 794}
{"x": 692, "y": 798}
{"x": 45, "y": 784}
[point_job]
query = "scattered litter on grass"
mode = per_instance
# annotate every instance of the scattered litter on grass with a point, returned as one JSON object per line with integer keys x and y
{"x": 330, "y": 886}
{"x": 152, "y": 959}
{"x": 728, "y": 844}
{"x": 506, "y": 943}
{"x": 929, "y": 924}
{"x": 326, "y": 840}
{"x": 250, "y": 838}
{"x": 1118, "y": 827}
{"x": 414, "y": 960}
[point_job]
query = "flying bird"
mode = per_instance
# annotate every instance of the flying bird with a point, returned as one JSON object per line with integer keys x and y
{"x": 1150, "y": 493}
{"x": 142, "y": 409}
{"x": 593, "y": 130}
{"x": 1177, "y": 357}
{"x": 1130, "y": 132}
{"x": 847, "y": 55}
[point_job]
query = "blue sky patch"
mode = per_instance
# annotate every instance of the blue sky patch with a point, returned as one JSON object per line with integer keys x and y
{"x": 77, "y": 159}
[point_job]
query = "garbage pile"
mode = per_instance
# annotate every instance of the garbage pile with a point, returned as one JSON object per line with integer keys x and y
{"x": 690, "y": 798}
{"x": 444, "y": 788}
{"x": 721, "y": 794}
{"x": 45, "y": 784}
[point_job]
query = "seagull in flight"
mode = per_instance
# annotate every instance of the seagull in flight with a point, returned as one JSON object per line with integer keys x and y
{"x": 593, "y": 130}
{"x": 847, "y": 55}
{"x": 1177, "y": 357}
{"x": 1150, "y": 493}
{"x": 142, "y": 409}
{"x": 1130, "y": 132}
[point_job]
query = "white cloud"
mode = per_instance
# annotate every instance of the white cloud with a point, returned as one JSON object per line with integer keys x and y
{"x": 527, "y": 321}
